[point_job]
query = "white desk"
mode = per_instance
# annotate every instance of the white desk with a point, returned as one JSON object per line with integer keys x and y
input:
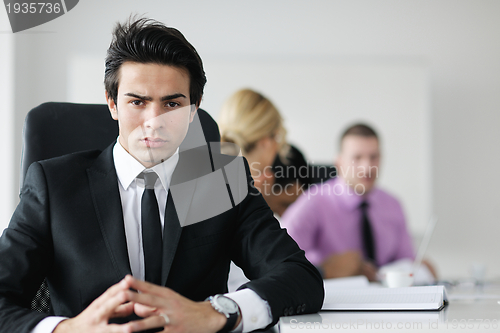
{"x": 469, "y": 310}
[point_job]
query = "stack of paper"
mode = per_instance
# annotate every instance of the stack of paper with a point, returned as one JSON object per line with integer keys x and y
{"x": 367, "y": 299}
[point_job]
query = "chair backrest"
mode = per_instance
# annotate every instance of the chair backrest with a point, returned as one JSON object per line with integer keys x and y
{"x": 294, "y": 169}
{"x": 55, "y": 129}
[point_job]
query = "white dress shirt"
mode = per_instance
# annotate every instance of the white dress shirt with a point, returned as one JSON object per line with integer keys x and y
{"x": 255, "y": 312}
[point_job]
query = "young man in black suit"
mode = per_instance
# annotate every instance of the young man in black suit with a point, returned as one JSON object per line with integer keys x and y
{"x": 81, "y": 222}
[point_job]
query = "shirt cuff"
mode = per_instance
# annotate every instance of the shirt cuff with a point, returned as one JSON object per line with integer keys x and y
{"x": 48, "y": 324}
{"x": 255, "y": 312}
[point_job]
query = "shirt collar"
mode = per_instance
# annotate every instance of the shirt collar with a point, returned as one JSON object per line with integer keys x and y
{"x": 348, "y": 196}
{"x": 128, "y": 168}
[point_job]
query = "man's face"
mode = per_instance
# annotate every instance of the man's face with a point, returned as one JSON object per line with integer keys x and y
{"x": 358, "y": 162}
{"x": 153, "y": 110}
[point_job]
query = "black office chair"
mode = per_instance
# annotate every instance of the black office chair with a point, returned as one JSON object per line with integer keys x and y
{"x": 289, "y": 171}
{"x": 55, "y": 129}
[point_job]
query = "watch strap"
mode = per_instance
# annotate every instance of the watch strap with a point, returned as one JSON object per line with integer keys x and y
{"x": 231, "y": 321}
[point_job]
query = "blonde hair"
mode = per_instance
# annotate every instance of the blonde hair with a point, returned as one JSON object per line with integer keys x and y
{"x": 246, "y": 117}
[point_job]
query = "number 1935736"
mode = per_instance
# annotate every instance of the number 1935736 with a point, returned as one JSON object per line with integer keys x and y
{"x": 33, "y": 8}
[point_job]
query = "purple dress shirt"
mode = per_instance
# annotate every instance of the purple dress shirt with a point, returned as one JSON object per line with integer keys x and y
{"x": 326, "y": 220}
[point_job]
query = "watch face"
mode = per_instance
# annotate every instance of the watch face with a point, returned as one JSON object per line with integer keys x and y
{"x": 227, "y": 304}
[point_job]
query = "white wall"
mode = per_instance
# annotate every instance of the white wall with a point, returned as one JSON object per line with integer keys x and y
{"x": 7, "y": 199}
{"x": 321, "y": 97}
{"x": 459, "y": 41}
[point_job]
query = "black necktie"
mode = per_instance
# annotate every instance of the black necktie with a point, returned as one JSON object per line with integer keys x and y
{"x": 368, "y": 240}
{"x": 151, "y": 230}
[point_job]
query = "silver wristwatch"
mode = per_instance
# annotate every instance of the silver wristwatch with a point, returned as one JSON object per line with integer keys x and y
{"x": 228, "y": 308}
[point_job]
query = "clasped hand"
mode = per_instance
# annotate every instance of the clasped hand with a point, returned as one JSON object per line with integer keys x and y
{"x": 159, "y": 307}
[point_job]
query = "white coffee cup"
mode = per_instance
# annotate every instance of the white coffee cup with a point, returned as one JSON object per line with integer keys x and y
{"x": 398, "y": 278}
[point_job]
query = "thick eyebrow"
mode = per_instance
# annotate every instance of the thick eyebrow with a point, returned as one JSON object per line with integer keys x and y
{"x": 174, "y": 96}
{"x": 148, "y": 98}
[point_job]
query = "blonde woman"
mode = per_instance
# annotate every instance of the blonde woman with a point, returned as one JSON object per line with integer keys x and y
{"x": 252, "y": 122}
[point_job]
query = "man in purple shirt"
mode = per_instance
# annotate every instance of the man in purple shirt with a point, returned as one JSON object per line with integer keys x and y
{"x": 348, "y": 226}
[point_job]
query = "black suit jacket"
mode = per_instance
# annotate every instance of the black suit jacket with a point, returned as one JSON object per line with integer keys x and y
{"x": 68, "y": 227}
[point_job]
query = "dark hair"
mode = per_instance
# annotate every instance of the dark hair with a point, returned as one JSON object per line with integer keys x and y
{"x": 148, "y": 41}
{"x": 293, "y": 167}
{"x": 359, "y": 130}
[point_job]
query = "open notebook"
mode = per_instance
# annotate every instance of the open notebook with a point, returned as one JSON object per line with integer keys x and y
{"x": 386, "y": 299}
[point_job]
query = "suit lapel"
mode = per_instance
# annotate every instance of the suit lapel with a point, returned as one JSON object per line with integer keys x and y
{"x": 192, "y": 164}
{"x": 106, "y": 197}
